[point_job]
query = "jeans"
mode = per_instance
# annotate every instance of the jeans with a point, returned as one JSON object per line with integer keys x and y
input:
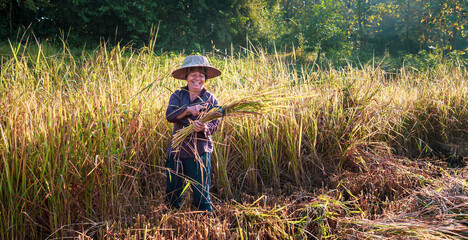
{"x": 192, "y": 170}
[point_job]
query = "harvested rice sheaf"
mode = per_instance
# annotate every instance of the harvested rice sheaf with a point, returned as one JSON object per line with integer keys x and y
{"x": 256, "y": 104}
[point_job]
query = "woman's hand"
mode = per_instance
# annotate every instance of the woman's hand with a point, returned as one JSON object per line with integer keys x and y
{"x": 195, "y": 110}
{"x": 199, "y": 126}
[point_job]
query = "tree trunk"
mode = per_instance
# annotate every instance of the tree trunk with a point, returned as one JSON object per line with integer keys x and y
{"x": 454, "y": 38}
{"x": 288, "y": 11}
{"x": 407, "y": 26}
{"x": 317, "y": 61}
{"x": 10, "y": 18}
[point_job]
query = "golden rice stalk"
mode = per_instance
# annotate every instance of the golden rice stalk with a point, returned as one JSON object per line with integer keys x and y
{"x": 256, "y": 104}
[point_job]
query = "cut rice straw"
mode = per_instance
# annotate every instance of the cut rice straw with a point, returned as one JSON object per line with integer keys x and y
{"x": 255, "y": 104}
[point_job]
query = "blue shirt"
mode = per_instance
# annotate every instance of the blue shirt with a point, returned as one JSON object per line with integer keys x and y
{"x": 200, "y": 142}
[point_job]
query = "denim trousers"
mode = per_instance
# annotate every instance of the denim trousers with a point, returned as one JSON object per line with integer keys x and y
{"x": 196, "y": 172}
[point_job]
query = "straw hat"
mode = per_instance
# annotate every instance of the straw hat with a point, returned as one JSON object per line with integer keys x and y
{"x": 192, "y": 63}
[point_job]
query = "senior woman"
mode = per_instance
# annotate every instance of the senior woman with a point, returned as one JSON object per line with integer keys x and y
{"x": 192, "y": 159}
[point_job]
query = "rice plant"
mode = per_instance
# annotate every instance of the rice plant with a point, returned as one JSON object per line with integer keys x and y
{"x": 83, "y": 140}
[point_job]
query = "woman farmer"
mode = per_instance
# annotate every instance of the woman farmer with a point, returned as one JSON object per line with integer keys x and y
{"x": 192, "y": 159}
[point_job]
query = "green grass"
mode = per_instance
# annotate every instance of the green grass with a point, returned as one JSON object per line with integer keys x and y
{"x": 83, "y": 141}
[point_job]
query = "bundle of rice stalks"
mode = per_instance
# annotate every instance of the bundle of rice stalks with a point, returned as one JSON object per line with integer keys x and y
{"x": 256, "y": 104}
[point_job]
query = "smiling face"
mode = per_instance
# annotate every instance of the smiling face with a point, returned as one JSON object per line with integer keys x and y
{"x": 196, "y": 81}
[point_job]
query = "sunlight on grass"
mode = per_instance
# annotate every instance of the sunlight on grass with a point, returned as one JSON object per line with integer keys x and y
{"x": 83, "y": 141}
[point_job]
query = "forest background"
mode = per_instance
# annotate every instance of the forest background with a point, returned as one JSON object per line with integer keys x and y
{"x": 332, "y": 29}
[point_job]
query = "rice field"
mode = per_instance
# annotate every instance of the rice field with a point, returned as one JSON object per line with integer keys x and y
{"x": 359, "y": 154}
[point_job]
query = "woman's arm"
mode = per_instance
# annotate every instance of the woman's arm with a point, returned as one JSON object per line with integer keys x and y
{"x": 176, "y": 111}
{"x": 193, "y": 110}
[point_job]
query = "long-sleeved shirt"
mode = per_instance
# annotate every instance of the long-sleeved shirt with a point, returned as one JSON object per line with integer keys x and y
{"x": 200, "y": 142}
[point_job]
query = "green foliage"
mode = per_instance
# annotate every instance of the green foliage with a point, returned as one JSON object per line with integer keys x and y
{"x": 330, "y": 29}
{"x": 324, "y": 25}
{"x": 194, "y": 24}
{"x": 114, "y": 20}
{"x": 425, "y": 61}
{"x": 259, "y": 21}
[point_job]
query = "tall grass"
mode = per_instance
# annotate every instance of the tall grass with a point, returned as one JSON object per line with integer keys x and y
{"x": 83, "y": 138}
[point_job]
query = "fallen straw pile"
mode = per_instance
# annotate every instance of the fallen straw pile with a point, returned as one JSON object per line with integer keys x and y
{"x": 256, "y": 104}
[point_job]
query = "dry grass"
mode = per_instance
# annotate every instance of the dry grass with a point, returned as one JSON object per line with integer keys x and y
{"x": 435, "y": 211}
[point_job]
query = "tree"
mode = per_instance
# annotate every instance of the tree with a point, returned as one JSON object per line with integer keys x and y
{"x": 194, "y": 24}
{"x": 446, "y": 22}
{"x": 259, "y": 21}
{"x": 322, "y": 25}
{"x": 19, "y": 13}
{"x": 118, "y": 20}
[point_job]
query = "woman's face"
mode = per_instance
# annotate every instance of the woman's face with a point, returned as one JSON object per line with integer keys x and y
{"x": 195, "y": 81}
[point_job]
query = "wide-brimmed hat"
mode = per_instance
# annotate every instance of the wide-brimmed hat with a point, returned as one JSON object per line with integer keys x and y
{"x": 196, "y": 62}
